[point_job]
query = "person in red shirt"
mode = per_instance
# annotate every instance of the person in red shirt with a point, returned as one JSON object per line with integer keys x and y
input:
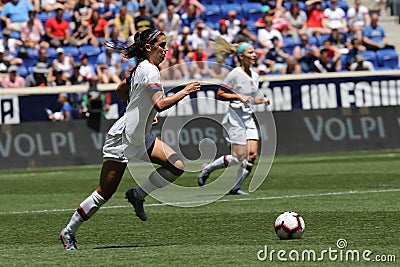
{"x": 100, "y": 27}
{"x": 199, "y": 66}
{"x": 57, "y": 30}
{"x": 316, "y": 23}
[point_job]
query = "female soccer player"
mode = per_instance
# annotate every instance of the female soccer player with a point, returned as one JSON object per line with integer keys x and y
{"x": 130, "y": 136}
{"x": 240, "y": 87}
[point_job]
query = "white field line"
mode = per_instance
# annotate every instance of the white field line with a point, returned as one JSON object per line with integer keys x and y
{"x": 221, "y": 200}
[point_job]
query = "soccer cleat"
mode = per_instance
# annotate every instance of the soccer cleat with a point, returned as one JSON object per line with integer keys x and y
{"x": 68, "y": 240}
{"x": 238, "y": 192}
{"x": 137, "y": 204}
{"x": 203, "y": 176}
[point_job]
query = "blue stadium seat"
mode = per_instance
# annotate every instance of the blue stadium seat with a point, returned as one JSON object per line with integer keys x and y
{"x": 29, "y": 62}
{"x": 22, "y": 71}
{"x": 72, "y": 51}
{"x": 43, "y": 17}
{"x": 15, "y": 35}
{"x": 92, "y": 52}
{"x": 288, "y": 44}
{"x": 51, "y": 53}
{"x": 213, "y": 13}
{"x": 388, "y": 58}
{"x": 370, "y": 56}
{"x": 252, "y": 11}
{"x": 227, "y": 7}
{"x": 313, "y": 40}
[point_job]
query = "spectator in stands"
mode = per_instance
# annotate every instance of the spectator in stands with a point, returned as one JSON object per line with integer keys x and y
{"x": 190, "y": 17}
{"x": 382, "y": 7}
{"x": 64, "y": 66}
{"x": 87, "y": 73}
{"x": 142, "y": 21}
{"x": 355, "y": 48}
{"x": 32, "y": 33}
{"x": 109, "y": 67}
{"x": 336, "y": 17}
{"x": 218, "y": 70}
{"x": 292, "y": 66}
{"x": 374, "y": 37}
{"x": 124, "y": 23}
{"x": 267, "y": 12}
{"x": 358, "y": 17}
{"x": 199, "y": 63}
{"x": 222, "y": 31}
{"x": 337, "y": 39}
{"x": 184, "y": 41}
{"x": 43, "y": 58}
{"x": 57, "y": 30}
{"x": 297, "y": 20}
{"x": 189, "y": 6}
{"x": 50, "y": 5}
{"x": 100, "y": 27}
{"x": 233, "y": 23}
{"x": 66, "y": 109}
{"x": 83, "y": 34}
{"x": 116, "y": 36}
{"x": 327, "y": 64}
{"x": 244, "y": 34}
{"x": 266, "y": 34}
{"x": 4, "y": 63}
{"x": 132, "y": 6}
{"x": 82, "y": 11}
{"x": 305, "y": 53}
{"x": 172, "y": 21}
{"x": 276, "y": 57}
{"x": 361, "y": 64}
{"x": 38, "y": 77}
{"x": 14, "y": 13}
{"x": 201, "y": 36}
{"x": 12, "y": 80}
{"x": 155, "y": 7}
{"x": 317, "y": 23}
{"x": 107, "y": 10}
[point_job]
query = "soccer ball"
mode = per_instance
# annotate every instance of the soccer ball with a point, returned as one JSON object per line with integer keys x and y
{"x": 289, "y": 225}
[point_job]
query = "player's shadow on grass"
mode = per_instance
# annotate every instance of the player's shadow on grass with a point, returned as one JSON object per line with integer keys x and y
{"x": 128, "y": 246}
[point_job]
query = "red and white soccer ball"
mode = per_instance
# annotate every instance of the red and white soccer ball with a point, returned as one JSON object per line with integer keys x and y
{"x": 289, "y": 225}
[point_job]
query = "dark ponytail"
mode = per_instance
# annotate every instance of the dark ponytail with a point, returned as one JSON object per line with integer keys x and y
{"x": 137, "y": 50}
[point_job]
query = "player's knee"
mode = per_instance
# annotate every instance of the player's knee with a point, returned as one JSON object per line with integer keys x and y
{"x": 177, "y": 167}
{"x": 252, "y": 157}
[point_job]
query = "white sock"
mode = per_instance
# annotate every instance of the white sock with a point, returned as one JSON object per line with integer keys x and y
{"x": 157, "y": 179}
{"x": 85, "y": 210}
{"x": 242, "y": 174}
{"x": 222, "y": 162}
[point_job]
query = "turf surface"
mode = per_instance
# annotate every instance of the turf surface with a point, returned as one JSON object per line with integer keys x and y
{"x": 351, "y": 196}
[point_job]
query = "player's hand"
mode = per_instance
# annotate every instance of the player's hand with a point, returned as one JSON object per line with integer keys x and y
{"x": 245, "y": 99}
{"x": 155, "y": 121}
{"x": 266, "y": 100}
{"x": 192, "y": 87}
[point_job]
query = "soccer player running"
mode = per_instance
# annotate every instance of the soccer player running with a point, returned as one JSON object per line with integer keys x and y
{"x": 240, "y": 87}
{"x": 130, "y": 136}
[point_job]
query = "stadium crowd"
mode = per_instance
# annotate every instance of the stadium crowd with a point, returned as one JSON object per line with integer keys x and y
{"x": 60, "y": 42}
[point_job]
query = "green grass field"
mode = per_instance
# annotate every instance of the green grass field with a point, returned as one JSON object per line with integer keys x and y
{"x": 352, "y": 196}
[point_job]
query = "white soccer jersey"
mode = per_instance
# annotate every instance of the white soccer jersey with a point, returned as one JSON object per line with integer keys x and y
{"x": 240, "y": 82}
{"x": 140, "y": 111}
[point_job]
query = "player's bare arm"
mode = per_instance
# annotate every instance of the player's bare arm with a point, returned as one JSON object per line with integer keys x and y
{"x": 162, "y": 102}
{"x": 225, "y": 96}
